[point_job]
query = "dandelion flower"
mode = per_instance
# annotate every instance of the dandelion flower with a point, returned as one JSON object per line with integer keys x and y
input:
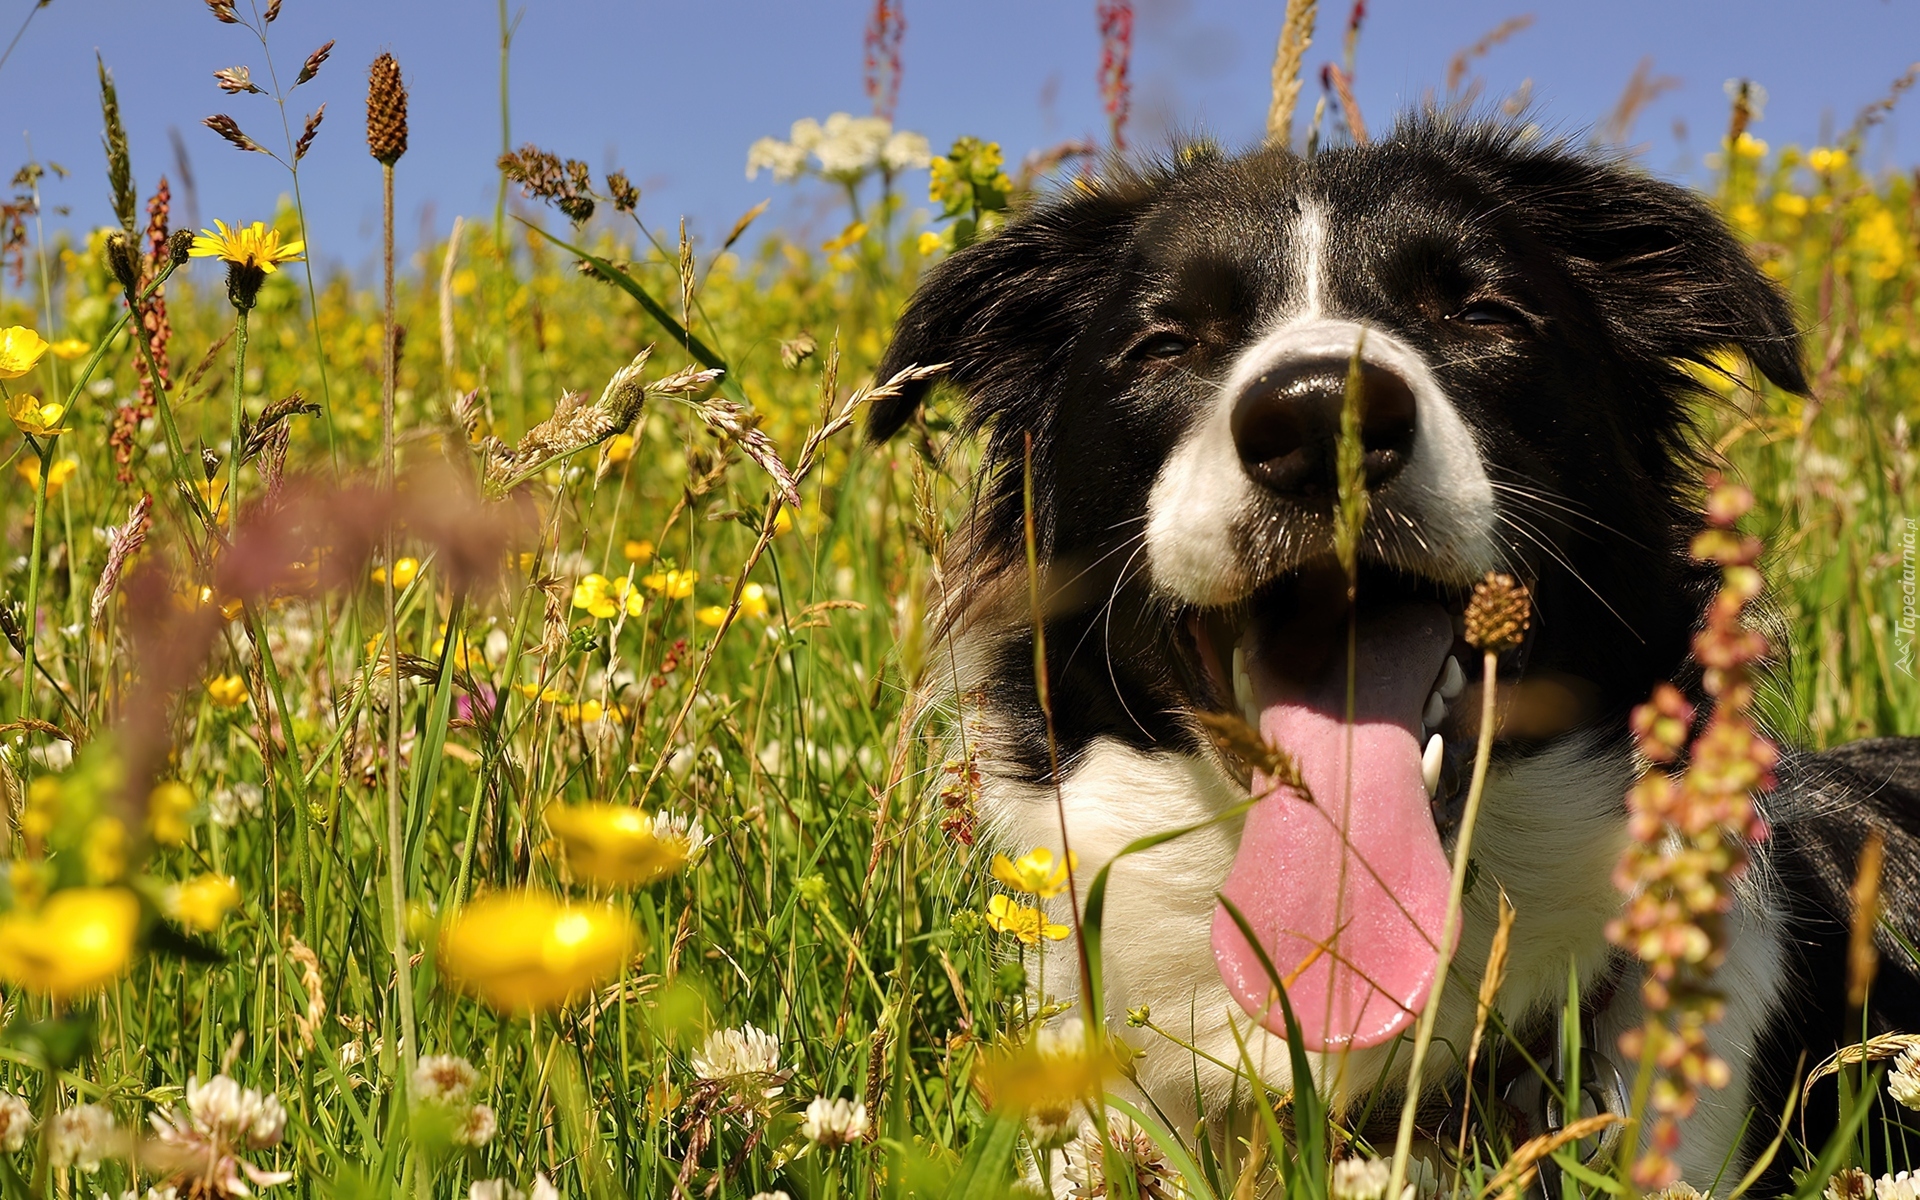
{"x": 202, "y": 902}
{"x": 20, "y": 349}
{"x": 227, "y": 691}
{"x": 79, "y": 940}
{"x": 251, "y": 252}
{"x": 83, "y": 1137}
{"x": 16, "y": 1123}
{"x": 622, "y": 846}
{"x": 41, "y": 419}
{"x": 1027, "y": 924}
{"x": 529, "y": 951}
{"x": 1037, "y": 872}
{"x": 1086, "y": 1170}
{"x": 1904, "y": 1084}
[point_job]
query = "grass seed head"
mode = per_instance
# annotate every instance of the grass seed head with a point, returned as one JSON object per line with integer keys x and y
{"x": 386, "y": 111}
{"x": 1499, "y": 613}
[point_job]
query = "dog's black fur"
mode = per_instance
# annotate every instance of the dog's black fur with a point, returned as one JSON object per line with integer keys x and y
{"x": 1563, "y": 302}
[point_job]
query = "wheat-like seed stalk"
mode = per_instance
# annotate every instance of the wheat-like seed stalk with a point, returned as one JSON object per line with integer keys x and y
{"x": 386, "y": 111}
{"x": 1296, "y": 34}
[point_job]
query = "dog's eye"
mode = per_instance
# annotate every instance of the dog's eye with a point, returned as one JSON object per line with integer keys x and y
{"x": 1160, "y": 346}
{"x": 1490, "y": 314}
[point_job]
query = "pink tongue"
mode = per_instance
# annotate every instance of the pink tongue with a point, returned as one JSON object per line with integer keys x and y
{"x": 1354, "y": 935}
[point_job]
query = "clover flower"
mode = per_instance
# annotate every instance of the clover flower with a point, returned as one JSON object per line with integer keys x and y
{"x": 744, "y": 1063}
{"x": 83, "y": 1137}
{"x": 443, "y": 1079}
{"x": 834, "y": 1121}
{"x": 16, "y": 1123}
{"x": 1903, "y": 1084}
{"x": 1086, "y": 1171}
{"x": 1902, "y": 1185}
{"x": 1688, "y": 836}
{"x": 1849, "y": 1183}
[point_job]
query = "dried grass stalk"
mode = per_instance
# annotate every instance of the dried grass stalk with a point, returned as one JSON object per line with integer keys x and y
{"x": 1296, "y": 34}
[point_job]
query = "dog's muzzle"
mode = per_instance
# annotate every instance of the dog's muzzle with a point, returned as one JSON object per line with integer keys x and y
{"x": 1286, "y": 425}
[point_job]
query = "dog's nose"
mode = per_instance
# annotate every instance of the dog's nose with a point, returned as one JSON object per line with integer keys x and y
{"x": 1286, "y": 425}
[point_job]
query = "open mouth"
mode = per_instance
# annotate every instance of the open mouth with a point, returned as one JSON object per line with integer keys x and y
{"x": 1341, "y": 873}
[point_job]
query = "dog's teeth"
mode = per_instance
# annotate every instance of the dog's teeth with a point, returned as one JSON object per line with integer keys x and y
{"x": 1243, "y": 688}
{"x": 1452, "y": 679}
{"x": 1436, "y": 711}
{"x": 1430, "y": 764}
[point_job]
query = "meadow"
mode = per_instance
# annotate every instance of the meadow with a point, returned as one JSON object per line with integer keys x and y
{"x": 476, "y": 738}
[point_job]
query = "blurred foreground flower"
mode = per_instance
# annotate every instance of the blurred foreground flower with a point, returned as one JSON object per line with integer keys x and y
{"x": 532, "y": 952}
{"x": 20, "y": 349}
{"x": 69, "y": 348}
{"x": 202, "y": 902}
{"x": 1047, "y": 1076}
{"x": 622, "y": 846}
{"x": 37, "y": 418}
{"x": 404, "y": 572}
{"x": 84, "y": 1136}
{"x": 198, "y": 1149}
{"x": 674, "y": 585}
{"x": 1004, "y": 915}
{"x": 57, "y": 474}
{"x": 753, "y": 603}
{"x": 16, "y": 1123}
{"x": 79, "y": 940}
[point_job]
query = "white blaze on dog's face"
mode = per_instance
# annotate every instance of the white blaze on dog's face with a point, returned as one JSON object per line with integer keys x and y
{"x": 1175, "y": 350}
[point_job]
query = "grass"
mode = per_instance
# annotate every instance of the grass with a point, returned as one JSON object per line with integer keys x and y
{"x": 839, "y": 903}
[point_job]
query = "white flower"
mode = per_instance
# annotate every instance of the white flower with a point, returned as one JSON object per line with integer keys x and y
{"x": 851, "y": 146}
{"x": 494, "y": 1189}
{"x": 83, "y": 1136}
{"x": 906, "y": 150}
{"x": 16, "y": 1122}
{"x": 222, "y": 1108}
{"x": 1154, "y": 1178}
{"x": 806, "y": 133}
{"x": 1849, "y": 1183}
{"x": 784, "y": 159}
{"x": 732, "y": 1053}
{"x": 478, "y": 1128}
{"x": 834, "y": 1121}
{"x": 230, "y": 805}
{"x": 1904, "y": 1084}
{"x": 543, "y": 1188}
{"x": 1902, "y": 1186}
{"x": 771, "y": 1196}
{"x": 686, "y": 831}
{"x": 444, "y": 1079}
{"x": 1680, "y": 1190}
{"x": 1359, "y": 1179}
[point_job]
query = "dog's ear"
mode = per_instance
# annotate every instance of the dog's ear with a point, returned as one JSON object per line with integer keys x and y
{"x": 997, "y": 312}
{"x": 1671, "y": 280}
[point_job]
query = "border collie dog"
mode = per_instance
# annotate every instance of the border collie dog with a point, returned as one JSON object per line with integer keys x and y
{"x": 1171, "y": 349}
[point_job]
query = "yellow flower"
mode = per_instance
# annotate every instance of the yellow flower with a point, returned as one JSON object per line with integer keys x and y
{"x": 167, "y": 807}
{"x": 753, "y": 599}
{"x": 20, "y": 349}
{"x": 1037, "y": 872}
{"x": 1027, "y": 924}
{"x": 1791, "y": 204}
{"x": 228, "y": 691}
{"x": 1749, "y": 146}
{"x": 246, "y": 246}
{"x": 202, "y": 902}
{"x": 533, "y": 691}
{"x": 712, "y": 615}
{"x": 103, "y": 850}
{"x": 69, "y": 348}
{"x": 675, "y": 584}
{"x": 604, "y": 598}
{"x": 620, "y": 845}
{"x": 620, "y": 449}
{"x": 928, "y": 244}
{"x": 530, "y": 952}
{"x": 57, "y": 476}
{"x": 41, "y": 420}
{"x": 404, "y": 572}
{"x": 588, "y": 711}
{"x": 80, "y": 940}
{"x": 639, "y": 553}
{"x": 1824, "y": 159}
{"x": 230, "y": 608}
{"x": 783, "y": 520}
{"x": 213, "y": 496}
{"x": 849, "y": 236}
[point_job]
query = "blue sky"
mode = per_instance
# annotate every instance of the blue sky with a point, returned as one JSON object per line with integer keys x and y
{"x": 673, "y": 93}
